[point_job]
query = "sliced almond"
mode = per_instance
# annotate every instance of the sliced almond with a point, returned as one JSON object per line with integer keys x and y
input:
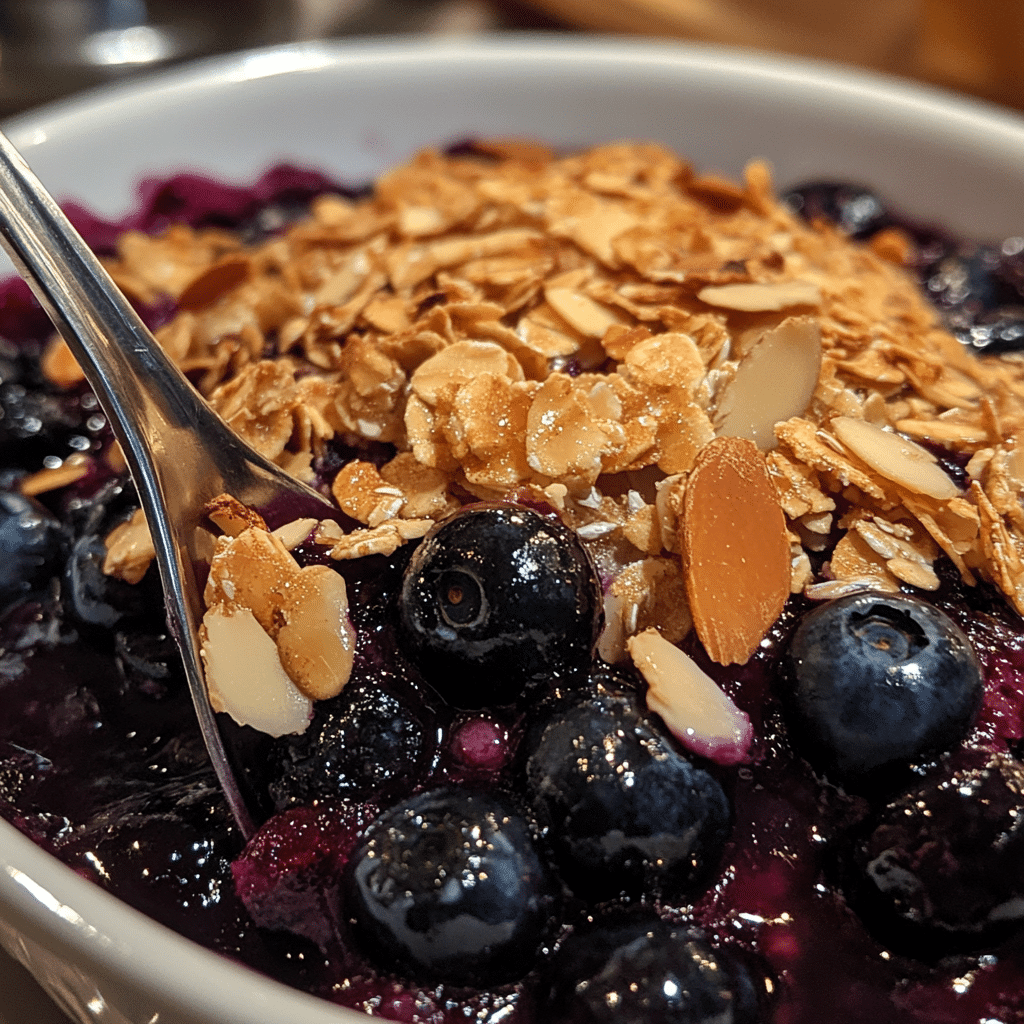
{"x": 581, "y": 311}
{"x": 773, "y": 383}
{"x": 72, "y": 469}
{"x": 251, "y": 571}
{"x": 695, "y": 709}
{"x": 761, "y": 298}
{"x": 232, "y": 516}
{"x": 292, "y": 534}
{"x": 895, "y": 458}
{"x": 735, "y": 549}
{"x": 304, "y": 611}
{"x": 459, "y": 363}
{"x": 59, "y": 365}
{"x": 244, "y": 675}
{"x": 130, "y": 549}
{"x": 316, "y": 643}
{"x": 213, "y": 282}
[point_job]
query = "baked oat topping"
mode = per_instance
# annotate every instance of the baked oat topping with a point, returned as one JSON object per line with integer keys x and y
{"x": 579, "y": 329}
{"x": 303, "y": 613}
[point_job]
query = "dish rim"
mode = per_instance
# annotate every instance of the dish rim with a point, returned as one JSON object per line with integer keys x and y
{"x": 45, "y": 900}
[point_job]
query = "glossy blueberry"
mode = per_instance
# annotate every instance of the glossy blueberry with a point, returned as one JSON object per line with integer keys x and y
{"x": 35, "y": 425}
{"x": 32, "y": 544}
{"x": 941, "y": 867}
{"x": 164, "y": 849}
{"x": 879, "y": 681}
{"x": 968, "y": 278}
{"x": 639, "y": 969}
{"x": 1001, "y": 330}
{"x": 855, "y": 209}
{"x": 495, "y": 598}
{"x": 626, "y": 813}
{"x": 448, "y": 886}
{"x": 364, "y": 740}
{"x": 149, "y": 662}
{"x": 92, "y": 596}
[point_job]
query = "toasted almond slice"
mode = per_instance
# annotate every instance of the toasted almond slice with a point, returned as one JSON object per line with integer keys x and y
{"x": 735, "y": 549}
{"x": 232, "y": 516}
{"x": 581, "y": 311}
{"x": 292, "y": 534}
{"x": 944, "y": 431}
{"x": 130, "y": 549}
{"x": 316, "y": 643}
{"x": 59, "y": 365}
{"x": 252, "y": 571}
{"x": 774, "y": 382}
{"x": 244, "y": 675}
{"x": 461, "y": 362}
{"x": 697, "y": 712}
{"x": 896, "y": 458}
{"x": 757, "y": 298}
{"x": 73, "y": 468}
{"x": 213, "y": 282}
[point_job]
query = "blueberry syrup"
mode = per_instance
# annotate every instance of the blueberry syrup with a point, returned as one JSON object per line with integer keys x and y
{"x": 101, "y": 762}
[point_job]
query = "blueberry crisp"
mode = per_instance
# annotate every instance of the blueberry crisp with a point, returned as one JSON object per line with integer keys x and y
{"x": 660, "y": 657}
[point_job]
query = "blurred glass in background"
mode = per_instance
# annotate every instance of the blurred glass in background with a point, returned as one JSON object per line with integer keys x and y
{"x": 52, "y": 47}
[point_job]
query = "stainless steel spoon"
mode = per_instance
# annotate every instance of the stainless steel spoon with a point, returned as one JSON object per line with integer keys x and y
{"x": 180, "y": 453}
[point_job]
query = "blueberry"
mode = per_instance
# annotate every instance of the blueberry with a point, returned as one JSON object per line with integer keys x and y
{"x": 880, "y": 681}
{"x": 364, "y": 740}
{"x": 641, "y": 969}
{"x": 149, "y": 662}
{"x": 941, "y": 867}
{"x": 32, "y": 544}
{"x": 626, "y": 813}
{"x": 857, "y": 210}
{"x": 94, "y": 597}
{"x": 496, "y": 598}
{"x": 164, "y": 849}
{"x": 449, "y": 887}
{"x": 35, "y": 425}
{"x": 1001, "y": 330}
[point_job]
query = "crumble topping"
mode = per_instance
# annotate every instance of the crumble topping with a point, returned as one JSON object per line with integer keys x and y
{"x": 577, "y": 330}
{"x": 307, "y": 646}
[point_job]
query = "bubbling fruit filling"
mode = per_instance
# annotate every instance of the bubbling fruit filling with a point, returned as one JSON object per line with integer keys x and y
{"x": 662, "y": 659}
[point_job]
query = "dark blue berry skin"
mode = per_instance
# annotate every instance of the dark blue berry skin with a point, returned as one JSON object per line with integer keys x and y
{"x": 449, "y": 887}
{"x": 640, "y": 970}
{"x": 166, "y": 850}
{"x": 995, "y": 332}
{"x": 497, "y": 599}
{"x": 94, "y": 598}
{"x": 855, "y": 209}
{"x": 980, "y": 292}
{"x": 940, "y": 869}
{"x": 364, "y": 740}
{"x": 626, "y": 814}
{"x": 34, "y": 425}
{"x": 879, "y": 682}
{"x": 32, "y": 545}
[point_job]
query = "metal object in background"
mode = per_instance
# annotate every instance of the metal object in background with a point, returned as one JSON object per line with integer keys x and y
{"x": 49, "y": 48}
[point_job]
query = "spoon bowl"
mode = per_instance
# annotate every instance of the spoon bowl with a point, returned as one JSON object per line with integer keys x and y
{"x": 180, "y": 453}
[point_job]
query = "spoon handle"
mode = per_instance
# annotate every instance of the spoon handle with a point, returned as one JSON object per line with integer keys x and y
{"x": 180, "y": 453}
